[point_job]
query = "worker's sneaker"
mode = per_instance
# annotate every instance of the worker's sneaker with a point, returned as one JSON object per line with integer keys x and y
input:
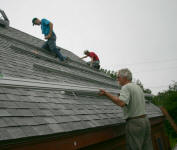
{"x": 64, "y": 62}
{"x": 97, "y": 67}
{"x": 67, "y": 58}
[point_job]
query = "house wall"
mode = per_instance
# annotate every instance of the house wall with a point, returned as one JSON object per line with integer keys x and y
{"x": 73, "y": 141}
{"x": 159, "y": 139}
{"x": 109, "y": 138}
{"x": 114, "y": 144}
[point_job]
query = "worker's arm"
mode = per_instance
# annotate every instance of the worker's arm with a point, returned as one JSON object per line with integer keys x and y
{"x": 114, "y": 99}
{"x": 91, "y": 63}
{"x": 84, "y": 57}
{"x": 50, "y": 32}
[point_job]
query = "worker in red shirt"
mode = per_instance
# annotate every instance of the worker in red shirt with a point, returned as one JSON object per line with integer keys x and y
{"x": 95, "y": 62}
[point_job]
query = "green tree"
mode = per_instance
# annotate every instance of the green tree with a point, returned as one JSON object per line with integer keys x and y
{"x": 110, "y": 73}
{"x": 168, "y": 99}
{"x": 138, "y": 82}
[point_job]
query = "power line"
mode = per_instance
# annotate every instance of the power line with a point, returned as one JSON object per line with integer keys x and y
{"x": 161, "y": 69}
{"x": 149, "y": 62}
{"x": 158, "y": 87}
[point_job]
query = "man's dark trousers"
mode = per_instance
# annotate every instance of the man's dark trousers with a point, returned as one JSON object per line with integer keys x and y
{"x": 50, "y": 44}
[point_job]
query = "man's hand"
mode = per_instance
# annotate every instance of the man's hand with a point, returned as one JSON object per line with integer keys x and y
{"x": 84, "y": 57}
{"x": 114, "y": 99}
{"x": 50, "y": 32}
{"x": 102, "y": 92}
{"x": 35, "y": 52}
{"x": 47, "y": 37}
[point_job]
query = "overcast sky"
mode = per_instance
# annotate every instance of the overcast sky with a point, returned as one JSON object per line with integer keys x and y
{"x": 138, "y": 34}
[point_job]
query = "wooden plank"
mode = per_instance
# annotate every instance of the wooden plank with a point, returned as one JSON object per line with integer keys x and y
{"x": 113, "y": 144}
{"x": 169, "y": 118}
{"x": 71, "y": 142}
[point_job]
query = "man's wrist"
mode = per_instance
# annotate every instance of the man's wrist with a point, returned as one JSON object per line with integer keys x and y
{"x": 105, "y": 93}
{"x": 49, "y": 35}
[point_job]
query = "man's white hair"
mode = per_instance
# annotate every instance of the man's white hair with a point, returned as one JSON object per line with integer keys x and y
{"x": 125, "y": 73}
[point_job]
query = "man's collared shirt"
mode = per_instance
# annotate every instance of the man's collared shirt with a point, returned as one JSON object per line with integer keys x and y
{"x": 133, "y": 96}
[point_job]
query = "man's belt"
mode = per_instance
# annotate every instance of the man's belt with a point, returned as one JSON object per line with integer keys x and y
{"x": 142, "y": 116}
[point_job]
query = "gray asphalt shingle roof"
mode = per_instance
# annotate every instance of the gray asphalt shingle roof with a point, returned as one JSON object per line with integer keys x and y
{"x": 40, "y": 96}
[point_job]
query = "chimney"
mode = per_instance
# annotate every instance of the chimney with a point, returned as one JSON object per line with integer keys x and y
{"x": 4, "y": 21}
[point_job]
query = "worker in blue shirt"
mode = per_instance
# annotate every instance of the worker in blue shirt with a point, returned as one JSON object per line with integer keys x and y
{"x": 47, "y": 30}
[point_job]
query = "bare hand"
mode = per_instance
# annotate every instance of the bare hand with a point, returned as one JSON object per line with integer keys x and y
{"x": 35, "y": 52}
{"x": 47, "y": 37}
{"x": 102, "y": 92}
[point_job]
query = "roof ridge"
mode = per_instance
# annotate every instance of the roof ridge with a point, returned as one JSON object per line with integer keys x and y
{"x": 37, "y": 84}
{"x": 38, "y": 66}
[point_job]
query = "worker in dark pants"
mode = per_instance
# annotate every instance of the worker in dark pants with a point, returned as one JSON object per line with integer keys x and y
{"x": 131, "y": 99}
{"x": 47, "y": 30}
{"x": 95, "y": 62}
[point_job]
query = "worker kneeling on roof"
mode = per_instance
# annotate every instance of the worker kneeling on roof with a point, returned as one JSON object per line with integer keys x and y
{"x": 49, "y": 35}
{"x": 95, "y": 62}
{"x": 131, "y": 99}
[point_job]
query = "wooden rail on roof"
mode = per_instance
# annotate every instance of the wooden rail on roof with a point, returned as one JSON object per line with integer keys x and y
{"x": 169, "y": 118}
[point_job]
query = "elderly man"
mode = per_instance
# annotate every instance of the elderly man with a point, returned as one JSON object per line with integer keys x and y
{"x": 131, "y": 99}
{"x": 49, "y": 35}
{"x": 95, "y": 62}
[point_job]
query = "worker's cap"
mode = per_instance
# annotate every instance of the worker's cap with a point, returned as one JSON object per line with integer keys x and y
{"x": 33, "y": 21}
{"x": 86, "y": 52}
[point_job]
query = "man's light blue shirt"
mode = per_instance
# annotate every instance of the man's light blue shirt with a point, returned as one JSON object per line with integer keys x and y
{"x": 45, "y": 26}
